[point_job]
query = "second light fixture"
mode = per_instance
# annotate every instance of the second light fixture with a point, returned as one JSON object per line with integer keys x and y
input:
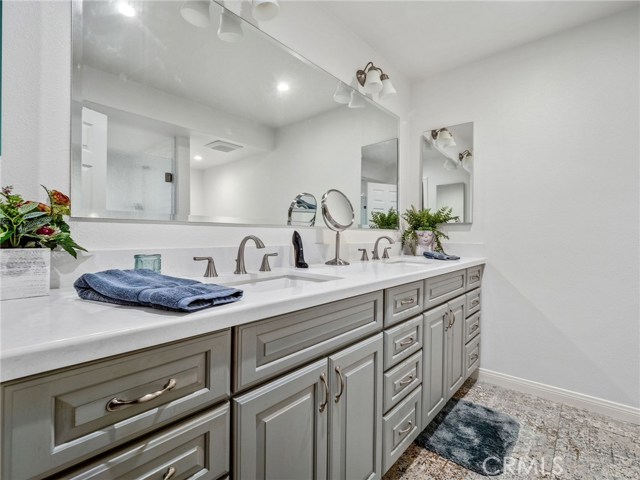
{"x": 374, "y": 80}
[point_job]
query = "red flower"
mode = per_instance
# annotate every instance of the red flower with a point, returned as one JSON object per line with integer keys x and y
{"x": 59, "y": 198}
{"x": 46, "y": 230}
{"x": 43, "y": 208}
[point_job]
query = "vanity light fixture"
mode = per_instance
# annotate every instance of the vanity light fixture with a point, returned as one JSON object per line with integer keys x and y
{"x": 230, "y": 29}
{"x": 196, "y": 12}
{"x": 374, "y": 80}
{"x": 466, "y": 159}
{"x": 265, "y": 9}
{"x": 443, "y": 138}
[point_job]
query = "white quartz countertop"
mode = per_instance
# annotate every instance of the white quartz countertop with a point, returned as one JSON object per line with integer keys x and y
{"x": 46, "y": 333}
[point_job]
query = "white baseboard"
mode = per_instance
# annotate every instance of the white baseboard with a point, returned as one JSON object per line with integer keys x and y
{"x": 593, "y": 404}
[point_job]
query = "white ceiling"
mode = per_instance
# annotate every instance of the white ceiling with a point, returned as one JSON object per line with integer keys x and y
{"x": 424, "y": 38}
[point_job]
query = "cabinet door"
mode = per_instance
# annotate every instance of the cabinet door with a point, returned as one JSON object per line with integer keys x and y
{"x": 455, "y": 346}
{"x": 280, "y": 429}
{"x": 355, "y": 438}
{"x": 434, "y": 347}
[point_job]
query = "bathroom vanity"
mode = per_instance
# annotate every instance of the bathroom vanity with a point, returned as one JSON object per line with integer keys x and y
{"x": 326, "y": 379}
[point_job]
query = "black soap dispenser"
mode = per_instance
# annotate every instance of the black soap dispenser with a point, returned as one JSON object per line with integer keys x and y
{"x": 298, "y": 251}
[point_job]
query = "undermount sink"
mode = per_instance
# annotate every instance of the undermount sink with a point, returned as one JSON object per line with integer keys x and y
{"x": 277, "y": 281}
{"x": 409, "y": 261}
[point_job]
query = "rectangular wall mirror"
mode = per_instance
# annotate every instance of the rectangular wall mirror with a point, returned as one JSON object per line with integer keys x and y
{"x": 171, "y": 121}
{"x": 447, "y": 169}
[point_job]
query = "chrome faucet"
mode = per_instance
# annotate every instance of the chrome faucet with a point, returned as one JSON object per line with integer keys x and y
{"x": 375, "y": 248}
{"x": 240, "y": 259}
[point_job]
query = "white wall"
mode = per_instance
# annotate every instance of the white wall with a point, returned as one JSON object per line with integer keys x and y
{"x": 557, "y": 179}
{"x": 36, "y": 101}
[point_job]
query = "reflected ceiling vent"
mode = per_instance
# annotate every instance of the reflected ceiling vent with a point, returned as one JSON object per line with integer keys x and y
{"x": 222, "y": 146}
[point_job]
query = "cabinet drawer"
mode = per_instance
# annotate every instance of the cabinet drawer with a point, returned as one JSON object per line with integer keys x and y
{"x": 400, "y": 427}
{"x": 471, "y": 327}
{"x": 58, "y": 419}
{"x": 402, "y": 341}
{"x": 401, "y": 380}
{"x": 197, "y": 448}
{"x": 474, "y": 276}
{"x": 473, "y": 301}
{"x": 269, "y": 347}
{"x": 444, "y": 287}
{"x": 472, "y": 357}
{"x": 403, "y": 301}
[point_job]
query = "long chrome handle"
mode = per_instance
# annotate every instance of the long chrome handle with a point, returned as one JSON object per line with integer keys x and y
{"x": 406, "y": 430}
{"x": 446, "y": 319}
{"x": 341, "y": 378}
{"x": 171, "y": 471}
{"x": 323, "y": 405}
{"x": 453, "y": 315}
{"x": 406, "y": 342}
{"x": 406, "y": 381}
{"x": 407, "y": 301}
{"x": 116, "y": 403}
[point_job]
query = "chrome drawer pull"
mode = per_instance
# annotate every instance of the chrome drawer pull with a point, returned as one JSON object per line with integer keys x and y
{"x": 406, "y": 430}
{"x": 323, "y": 405}
{"x": 475, "y": 327}
{"x": 475, "y": 278}
{"x": 407, "y": 301}
{"x": 453, "y": 316}
{"x": 475, "y": 302}
{"x": 446, "y": 318}
{"x": 171, "y": 471}
{"x": 341, "y": 384}
{"x": 116, "y": 403}
{"x": 473, "y": 357}
{"x": 406, "y": 342}
{"x": 406, "y": 381}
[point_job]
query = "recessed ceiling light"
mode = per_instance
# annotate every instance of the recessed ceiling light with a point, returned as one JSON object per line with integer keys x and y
{"x": 197, "y": 158}
{"x": 283, "y": 86}
{"x": 126, "y": 9}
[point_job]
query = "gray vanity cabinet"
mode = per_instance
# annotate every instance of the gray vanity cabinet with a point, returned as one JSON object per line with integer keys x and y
{"x": 444, "y": 356}
{"x": 321, "y": 421}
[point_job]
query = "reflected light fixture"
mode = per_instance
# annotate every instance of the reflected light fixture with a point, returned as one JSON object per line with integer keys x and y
{"x": 356, "y": 101}
{"x": 196, "y": 12}
{"x": 342, "y": 94}
{"x": 450, "y": 164}
{"x": 466, "y": 159}
{"x": 283, "y": 87}
{"x": 230, "y": 29}
{"x": 265, "y": 9}
{"x": 374, "y": 80}
{"x": 126, "y": 9}
{"x": 443, "y": 138}
{"x": 197, "y": 158}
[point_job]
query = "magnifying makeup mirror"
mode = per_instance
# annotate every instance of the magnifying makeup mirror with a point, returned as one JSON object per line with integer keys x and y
{"x": 302, "y": 211}
{"x": 337, "y": 212}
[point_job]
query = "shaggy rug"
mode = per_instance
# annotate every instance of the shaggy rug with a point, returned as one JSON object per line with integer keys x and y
{"x": 475, "y": 437}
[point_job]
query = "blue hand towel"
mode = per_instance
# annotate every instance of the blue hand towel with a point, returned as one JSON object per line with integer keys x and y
{"x": 150, "y": 289}
{"x": 440, "y": 256}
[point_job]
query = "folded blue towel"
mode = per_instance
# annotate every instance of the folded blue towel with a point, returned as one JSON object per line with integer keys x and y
{"x": 150, "y": 289}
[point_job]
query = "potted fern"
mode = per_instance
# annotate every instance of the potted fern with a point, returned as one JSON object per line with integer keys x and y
{"x": 422, "y": 231}
{"x": 387, "y": 220}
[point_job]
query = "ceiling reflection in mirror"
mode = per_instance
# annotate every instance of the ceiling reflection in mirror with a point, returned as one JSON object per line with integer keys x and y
{"x": 170, "y": 122}
{"x": 447, "y": 170}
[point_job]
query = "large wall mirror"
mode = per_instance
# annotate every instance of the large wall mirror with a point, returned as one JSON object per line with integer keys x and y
{"x": 171, "y": 121}
{"x": 447, "y": 170}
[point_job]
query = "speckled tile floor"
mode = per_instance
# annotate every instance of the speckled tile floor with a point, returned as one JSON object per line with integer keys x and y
{"x": 585, "y": 445}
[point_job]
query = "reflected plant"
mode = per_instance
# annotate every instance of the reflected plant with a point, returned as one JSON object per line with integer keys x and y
{"x": 387, "y": 220}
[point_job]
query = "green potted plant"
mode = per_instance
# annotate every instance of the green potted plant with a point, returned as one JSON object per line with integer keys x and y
{"x": 422, "y": 229}
{"x": 387, "y": 220}
{"x": 28, "y": 232}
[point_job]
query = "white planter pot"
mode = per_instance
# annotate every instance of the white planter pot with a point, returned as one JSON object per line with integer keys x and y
{"x": 426, "y": 240}
{"x": 24, "y": 272}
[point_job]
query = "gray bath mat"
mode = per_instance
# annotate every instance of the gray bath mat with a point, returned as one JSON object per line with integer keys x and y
{"x": 475, "y": 437}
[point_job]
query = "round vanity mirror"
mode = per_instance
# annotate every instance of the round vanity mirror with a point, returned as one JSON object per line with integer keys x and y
{"x": 302, "y": 211}
{"x": 337, "y": 212}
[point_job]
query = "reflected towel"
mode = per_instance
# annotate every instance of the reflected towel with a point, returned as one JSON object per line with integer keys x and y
{"x": 151, "y": 289}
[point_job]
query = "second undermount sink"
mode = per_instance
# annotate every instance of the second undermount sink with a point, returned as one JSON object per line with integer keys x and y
{"x": 409, "y": 261}
{"x": 277, "y": 280}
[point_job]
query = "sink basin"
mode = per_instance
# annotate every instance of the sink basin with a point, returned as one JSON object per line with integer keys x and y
{"x": 266, "y": 282}
{"x": 409, "y": 261}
